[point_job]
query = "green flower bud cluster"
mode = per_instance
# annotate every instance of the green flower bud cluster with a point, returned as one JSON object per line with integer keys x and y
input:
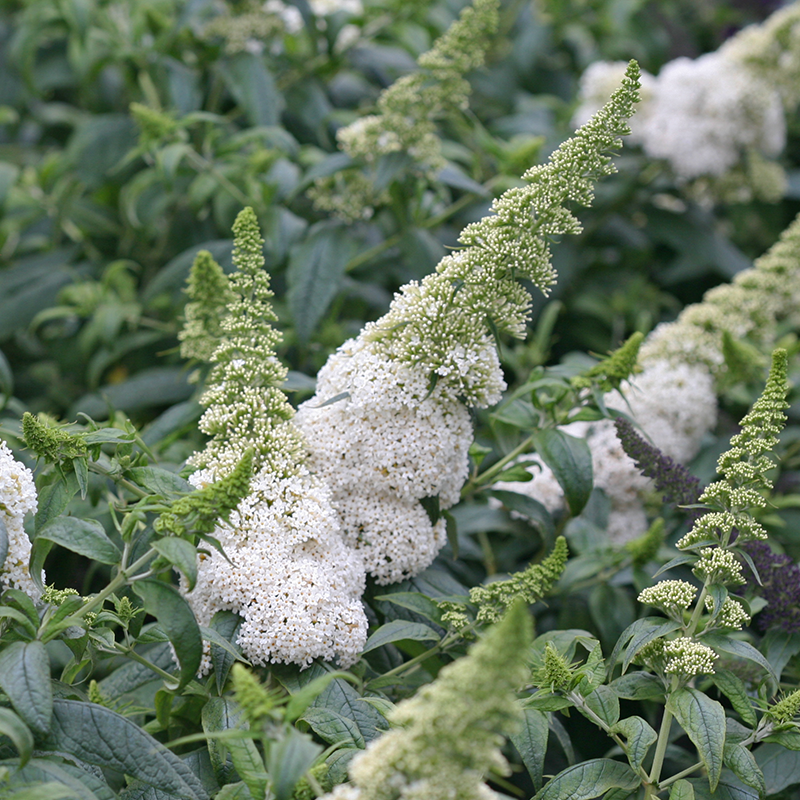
{"x": 494, "y": 599}
{"x": 406, "y": 114}
{"x": 683, "y": 657}
{"x": 52, "y": 443}
{"x": 200, "y": 511}
{"x": 556, "y": 672}
{"x": 256, "y": 701}
{"x": 786, "y": 709}
{"x": 617, "y": 367}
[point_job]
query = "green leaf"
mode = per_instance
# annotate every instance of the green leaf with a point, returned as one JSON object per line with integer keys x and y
{"x": 25, "y": 678}
{"x": 414, "y": 601}
{"x": 288, "y": 760}
{"x": 6, "y": 376}
{"x": 779, "y": 647}
{"x": 315, "y": 271}
{"x": 788, "y": 739}
{"x": 734, "y": 689}
{"x": 604, "y": 703}
{"x": 780, "y": 767}
{"x": 589, "y": 779}
{"x": 175, "y": 616}
{"x": 396, "y": 631}
{"x": 531, "y": 509}
{"x": 531, "y": 743}
{"x": 159, "y": 481}
{"x": 253, "y": 87}
{"x": 76, "y": 781}
{"x": 182, "y": 555}
{"x": 681, "y": 790}
{"x": 53, "y": 499}
{"x": 639, "y": 736}
{"x": 19, "y": 733}
{"x": 304, "y": 697}
{"x": 103, "y": 738}
{"x": 638, "y": 686}
{"x": 234, "y": 791}
{"x": 640, "y": 633}
{"x": 724, "y": 791}
{"x": 225, "y": 623}
{"x": 741, "y": 762}
{"x": 703, "y": 719}
{"x": 736, "y": 647}
{"x": 86, "y": 537}
{"x": 571, "y": 462}
{"x": 221, "y": 714}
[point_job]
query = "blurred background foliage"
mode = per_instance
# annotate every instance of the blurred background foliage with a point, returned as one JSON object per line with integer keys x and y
{"x": 132, "y": 133}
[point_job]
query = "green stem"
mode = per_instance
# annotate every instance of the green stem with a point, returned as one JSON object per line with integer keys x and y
{"x": 496, "y": 468}
{"x": 698, "y": 610}
{"x": 679, "y": 775}
{"x": 437, "y": 648}
{"x": 131, "y": 653}
{"x": 661, "y": 747}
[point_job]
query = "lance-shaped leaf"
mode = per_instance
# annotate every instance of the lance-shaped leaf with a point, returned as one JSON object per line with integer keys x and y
{"x": 86, "y": 537}
{"x": 571, "y": 462}
{"x": 25, "y": 678}
{"x": 531, "y": 743}
{"x": 703, "y": 719}
{"x": 741, "y": 762}
{"x": 589, "y": 779}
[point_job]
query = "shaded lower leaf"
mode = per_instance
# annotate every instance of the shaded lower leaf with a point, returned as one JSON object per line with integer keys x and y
{"x": 639, "y": 736}
{"x": 734, "y": 689}
{"x": 780, "y": 767}
{"x": 25, "y": 678}
{"x": 741, "y": 762}
{"x": 396, "y": 631}
{"x": 531, "y": 743}
{"x": 571, "y": 462}
{"x": 589, "y": 779}
{"x": 703, "y": 719}
{"x": 19, "y": 733}
{"x": 87, "y": 537}
{"x": 288, "y": 760}
{"x": 99, "y": 736}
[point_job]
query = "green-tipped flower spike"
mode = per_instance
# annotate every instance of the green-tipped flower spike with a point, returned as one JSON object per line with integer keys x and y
{"x": 786, "y": 709}
{"x": 209, "y": 294}
{"x": 744, "y": 468}
{"x": 200, "y": 511}
{"x": 447, "y": 737}
{"x": 556, "y": 672}
{"x": 49, "y": 442}
{"x": 530, "y": 585}
{"x": 245, "y": 407}
{"x": 614, "y": 369}
{"x": 255, "y": 700}
{"x": 645, "y": 548}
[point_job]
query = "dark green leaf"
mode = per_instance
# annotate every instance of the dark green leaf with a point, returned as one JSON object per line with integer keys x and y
{"x": 101, "y": 737}
{"x": 571, "y": 462}
{"x": 304, "y": 697}
{"x": 529, "y": 508}
{"x": 396, "y": 631}
{"x": 84, "y": 536}
{"x": 734, "y": 689}
{"x": 604, "y": 703}
{"x": 736, "y": 647}
{"x": 54, "y": 498}
{"x": 780, "y": 767}
{"x": 639, "y": 736}
{"x": 80, "y": 782}
{"x": 182, "y": 555}
{"x": 226, "y": 623}
{"x": 684, "y": 558}
{"x": 288, "y": 760}
{"x": 788, "y": 739}
{"x": 531, "y": 743}
{"x": 6, "y": 376}
{"x": 741, "y": 762}
{"x": 19, "y": 733}
{"x": 221, "y": 714}
{"x": 724, "y": 791}
{"x": 253, "y": 86}
{"x": 414, "y": 601}
{"x": 641, "y": 632}
{"x": 638, "y": 686}
{"x": 25, "y": 678}
{"x": 316, "y": 267}
{"x": 175, "y": 616}
{"x": 703, "y": 719}
{"x": 779, "y": 647}
{"x": 453, "y": 176}
{"x": 589, "y": 779}
{"x": 681, "y": 790}
{"x": 159, "y": 481}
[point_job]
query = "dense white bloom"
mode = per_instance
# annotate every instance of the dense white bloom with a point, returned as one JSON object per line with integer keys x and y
{"x": 17, "y": 498}
{"x": 324, "y": 7}
{"x": 688, "y": 658}
{"x": 671, "y": 596}
{"x": 707, "y": 112}
{"x": 382, "y": 448}
{"x": 292, "y": 579}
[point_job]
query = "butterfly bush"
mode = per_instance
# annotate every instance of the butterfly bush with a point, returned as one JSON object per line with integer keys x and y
{"x": 717, "y": 120}
{"x": 286, "y": 570}
{"x": 674, "y": 397}
{"x": 389, "y": 425}
{"x": 17, "y": 499}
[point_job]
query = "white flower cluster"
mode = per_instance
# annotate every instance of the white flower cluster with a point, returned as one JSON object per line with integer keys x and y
{"x": 671, "y": 597}
{"x": 292, "y": 579}
{"x": 718, "y": 120}
{"x": 688, "y": 658}
{"x": 731, "y": 615}
{"x": 17, "y": 498}
{"x": 718, "y": 565}
{"x": 384, "y": 445}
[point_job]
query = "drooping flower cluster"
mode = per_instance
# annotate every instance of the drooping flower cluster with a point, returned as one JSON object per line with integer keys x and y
{"x": 718, "y": 120}
{"x": 405, "y": 122}
{"x": 17, "y": 499}
{"x": 398, "y": 431}
{"x": 779, "y": 585}
{"x": 447, "y": 737}
{"x": 290, "y": 576}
